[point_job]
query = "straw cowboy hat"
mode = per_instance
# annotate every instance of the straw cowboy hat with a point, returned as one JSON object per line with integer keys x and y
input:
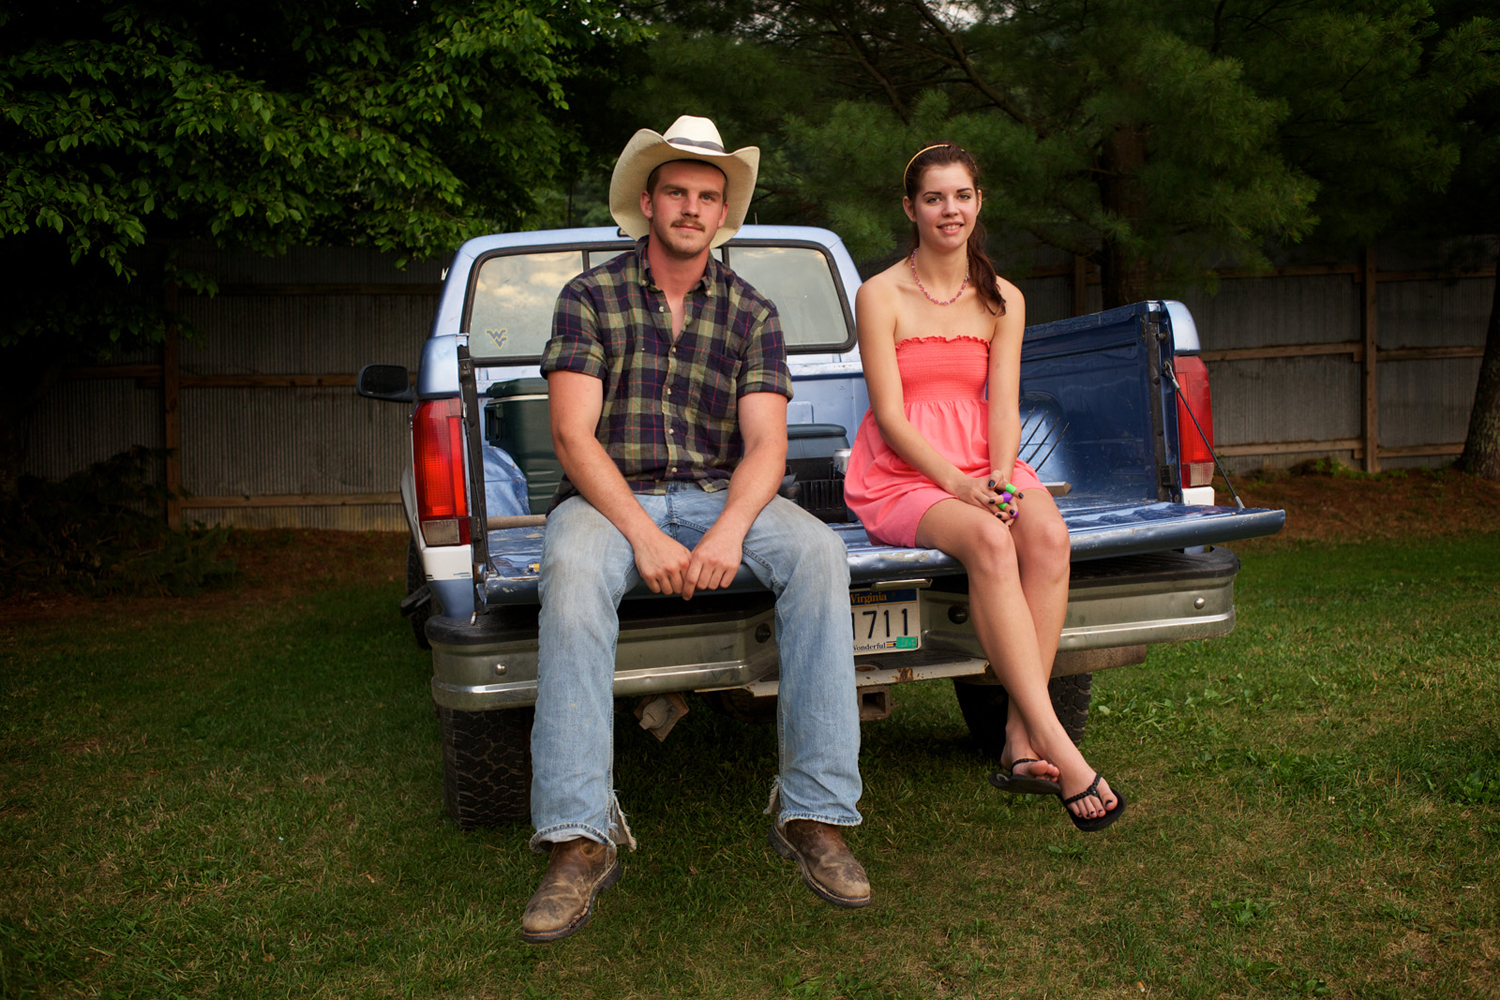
{"x": 688, "y": 138}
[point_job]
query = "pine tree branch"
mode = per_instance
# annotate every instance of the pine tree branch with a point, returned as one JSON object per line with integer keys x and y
{"x": 862, "y": 57}
{"x": 971, "y": 73}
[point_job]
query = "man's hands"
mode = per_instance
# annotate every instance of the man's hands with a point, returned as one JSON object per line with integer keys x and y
{"x": 662, "y": 562}
{"x": 668, "y": 567}
{"x": 716, "y": 558}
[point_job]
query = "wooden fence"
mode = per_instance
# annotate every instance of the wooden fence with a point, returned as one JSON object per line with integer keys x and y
{"x": 167, "y": 382}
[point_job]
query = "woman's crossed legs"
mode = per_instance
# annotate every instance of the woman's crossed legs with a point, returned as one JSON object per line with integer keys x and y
{"x": 1018, "y": 598}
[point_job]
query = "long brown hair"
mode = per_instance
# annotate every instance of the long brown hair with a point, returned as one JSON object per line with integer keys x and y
{"x": 981, "y": 272}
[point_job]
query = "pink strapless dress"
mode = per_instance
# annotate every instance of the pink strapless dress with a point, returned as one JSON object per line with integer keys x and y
{"x": 942, "y": 387}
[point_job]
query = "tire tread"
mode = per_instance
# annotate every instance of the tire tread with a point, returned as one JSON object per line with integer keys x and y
{"x": 984, "y": 708}
{"x": 487, "y": 765}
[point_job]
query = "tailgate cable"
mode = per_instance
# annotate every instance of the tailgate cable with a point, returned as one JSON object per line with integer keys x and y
{"x": 479, "y": 539}
{"x": 1166, "y": 369}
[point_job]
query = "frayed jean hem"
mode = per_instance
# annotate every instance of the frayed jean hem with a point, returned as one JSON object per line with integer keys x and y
{"x": 786, "y": 818}
{"x": 619, "y": 831}
{"x": 782, "y": 816}
{"x": 564, "y": 833}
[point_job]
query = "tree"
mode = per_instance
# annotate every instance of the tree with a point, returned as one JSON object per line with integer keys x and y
{"x": 126, "y": 126}
{"x": 1158, "y": 138}
{"x": 1481, "y": 454}
{"x": 1471, "y": 207}
{"x": 1463, "y": 219}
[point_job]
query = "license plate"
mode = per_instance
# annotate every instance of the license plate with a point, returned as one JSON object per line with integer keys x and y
{"x": 885, "y": 621}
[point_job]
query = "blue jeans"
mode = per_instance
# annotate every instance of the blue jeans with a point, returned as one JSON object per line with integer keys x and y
{"x": 587, "y": 566}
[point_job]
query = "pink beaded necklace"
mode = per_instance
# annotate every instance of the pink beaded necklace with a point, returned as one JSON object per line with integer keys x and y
{"x": 912, "y": 261}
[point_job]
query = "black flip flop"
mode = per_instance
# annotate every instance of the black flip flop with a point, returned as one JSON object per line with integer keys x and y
{"x": 1024, "y": 784}
{"x": 1098, "y": 822}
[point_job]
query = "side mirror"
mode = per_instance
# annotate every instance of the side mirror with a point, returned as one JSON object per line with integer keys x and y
{"x": 388, "y": 382}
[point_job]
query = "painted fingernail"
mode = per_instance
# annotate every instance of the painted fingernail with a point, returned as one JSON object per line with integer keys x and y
{"x": 992, "y": 484}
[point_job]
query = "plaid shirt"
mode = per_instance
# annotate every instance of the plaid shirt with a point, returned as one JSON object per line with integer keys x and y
{"x": 670, "y": 409}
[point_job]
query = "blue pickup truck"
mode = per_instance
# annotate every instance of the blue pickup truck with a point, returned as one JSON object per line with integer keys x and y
{"x": 1116, "y": 421}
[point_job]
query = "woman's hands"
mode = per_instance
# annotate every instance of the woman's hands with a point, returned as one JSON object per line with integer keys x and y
{"x": 995, "y": 494}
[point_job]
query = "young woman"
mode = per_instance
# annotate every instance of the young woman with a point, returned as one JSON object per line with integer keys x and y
{"x": 934, "y": 463}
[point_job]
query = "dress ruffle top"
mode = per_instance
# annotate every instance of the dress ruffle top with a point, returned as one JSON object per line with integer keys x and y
{"x": 942, "y": 385}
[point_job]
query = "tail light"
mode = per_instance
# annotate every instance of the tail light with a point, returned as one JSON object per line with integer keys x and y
{"x": 437, "y": 436}
{"x": 1194, "y": 452}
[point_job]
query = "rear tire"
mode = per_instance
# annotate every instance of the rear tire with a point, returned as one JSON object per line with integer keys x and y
{"x": 487, "y": 765}
{"x": 985, "y": 705}
{"x": 740, "y": 704}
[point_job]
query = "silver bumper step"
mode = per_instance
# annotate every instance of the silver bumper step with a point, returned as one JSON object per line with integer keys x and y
{"x": 1121, "y": 605}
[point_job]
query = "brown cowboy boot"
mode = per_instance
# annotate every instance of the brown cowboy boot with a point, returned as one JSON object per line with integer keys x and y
{"x": 827, "y": 865}
{"x": 577, "y": 873}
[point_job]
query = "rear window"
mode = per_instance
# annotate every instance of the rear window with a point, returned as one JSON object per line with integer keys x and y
{"x": 800, "y": 280}
{"x": 513, "y": 295}
{"x": 510, "y": 313}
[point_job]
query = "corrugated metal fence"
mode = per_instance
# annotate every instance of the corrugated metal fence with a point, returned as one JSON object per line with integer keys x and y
{"x": 266, "y": 431}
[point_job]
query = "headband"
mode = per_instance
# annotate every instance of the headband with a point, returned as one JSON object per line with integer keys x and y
{"x": 938, "y": 145}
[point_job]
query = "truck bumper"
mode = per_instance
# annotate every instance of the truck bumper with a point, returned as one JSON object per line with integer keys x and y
{"x": 1117, "y": 605}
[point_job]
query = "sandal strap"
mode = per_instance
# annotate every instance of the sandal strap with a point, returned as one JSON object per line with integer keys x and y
{"x": 1093, "y": 789}
{"x": 1024, "y": 760}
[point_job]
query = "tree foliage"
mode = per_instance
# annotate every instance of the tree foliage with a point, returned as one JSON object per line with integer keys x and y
{"x": 400, "y": 125}
{"x": 407, "y": 126}
{"x": 125, "y": 127}
{"x": 1158, "y": 138}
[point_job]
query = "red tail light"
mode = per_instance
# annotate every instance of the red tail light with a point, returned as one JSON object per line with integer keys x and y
{"x": 1195, "y": 453}
{"x": 437, "y": 436}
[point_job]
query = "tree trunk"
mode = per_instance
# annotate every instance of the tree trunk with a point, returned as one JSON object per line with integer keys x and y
{"x": 1481, "y": 455}
{"x": 1122, "y": 270}
{"x": 1122, "y": 276}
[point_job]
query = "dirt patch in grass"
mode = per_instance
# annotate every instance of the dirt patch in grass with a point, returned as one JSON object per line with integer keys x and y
{"x": 1345, "y": 506}
{"x": 273, "y": 566}
{"x": 1341, "y": 506}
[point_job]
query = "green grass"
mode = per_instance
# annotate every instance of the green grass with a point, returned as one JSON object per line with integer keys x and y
{"x": 247, "y": 802}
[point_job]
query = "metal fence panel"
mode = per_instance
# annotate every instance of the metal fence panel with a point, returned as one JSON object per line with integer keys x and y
{"x": 304, "y": 334}
{"x": 1284, "y": 399}
{"x": 253, "y": 442}
{"x": 1047, "y": 299}
{"x": 1434, "y": 313}
{"x": 1258, "y": 312}
{"x": 85, "y": 421}
{"x": 1426, "y": 401}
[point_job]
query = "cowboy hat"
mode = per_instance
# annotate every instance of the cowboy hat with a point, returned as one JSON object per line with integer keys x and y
{"x": 688, "y": 138}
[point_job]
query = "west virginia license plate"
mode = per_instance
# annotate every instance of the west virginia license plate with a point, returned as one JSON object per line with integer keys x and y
{"x": 885, "y": 621}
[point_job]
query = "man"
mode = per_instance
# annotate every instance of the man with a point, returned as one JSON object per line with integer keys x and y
{"x": 668, "y": 386}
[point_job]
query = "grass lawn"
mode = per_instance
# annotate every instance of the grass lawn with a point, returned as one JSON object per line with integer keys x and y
{"x": 243, "y": 798}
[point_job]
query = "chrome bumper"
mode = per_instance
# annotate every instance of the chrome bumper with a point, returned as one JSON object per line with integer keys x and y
{"x": 1116, "y": 608}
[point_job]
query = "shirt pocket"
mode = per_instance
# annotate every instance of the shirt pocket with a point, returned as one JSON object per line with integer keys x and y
{"x": 719, "y": 374}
